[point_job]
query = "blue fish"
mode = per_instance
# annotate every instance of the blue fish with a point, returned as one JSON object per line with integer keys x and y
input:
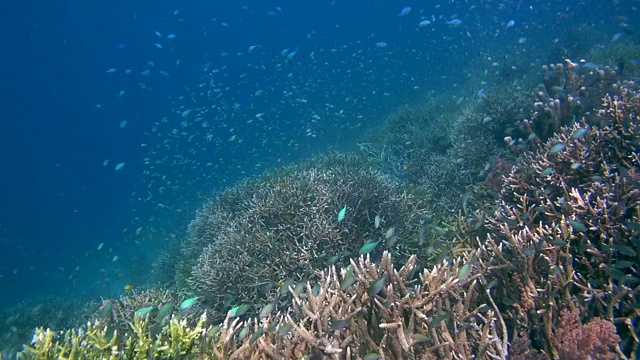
{"x": 405, "y": 11}
{"x": 342, "y": 213}
{"x": 454, "y": 22}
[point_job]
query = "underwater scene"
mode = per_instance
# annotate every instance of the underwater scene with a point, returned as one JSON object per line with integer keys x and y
{"x": 320, "y": 179}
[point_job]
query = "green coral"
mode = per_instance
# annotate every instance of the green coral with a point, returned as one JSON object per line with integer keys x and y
{"x": 98, "y": 341}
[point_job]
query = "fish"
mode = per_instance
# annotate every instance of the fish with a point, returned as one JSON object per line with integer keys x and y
{"x": 510, "y": 24}
{"x": 342, "y": 213}
{"x": 547, "y": 171}
{"x": 625, "y": 250}
{"x": 381, "y": 44}
{"x": 340, "y": 324}
{"x": 405, "y": 11}
{"x": 188, "y": 302}
{"x": 375, "y": 288}
{"x": 368, "y": 247}
{"x": 284, "y": 329}
{"x": 119, "y": 166}
{"x": 266, "y": 310}
{"x": 464, "y": 270}
{"x": 389, "y": 233}
{"x": 128, "y": 287}
{"x": 256, "y": 335}
{"x": 579, "y": 133}
{"x": 424, "y": 23}
{"x": 348, "y": 279}
{"x": 165, "y": 310}
{"x": 143, "y": 311}
{"x": 376, "y": 221}
{"x": 557, "y": 148}
{"x": 454, "y": 22}
{"x": 578, "y": 226}
{"x": 239, "y": 310}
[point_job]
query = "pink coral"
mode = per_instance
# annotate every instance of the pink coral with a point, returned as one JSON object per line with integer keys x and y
{"x": 578, "y": 341}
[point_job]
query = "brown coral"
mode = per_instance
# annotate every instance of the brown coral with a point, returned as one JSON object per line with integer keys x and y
{"x": 435, "y": 317}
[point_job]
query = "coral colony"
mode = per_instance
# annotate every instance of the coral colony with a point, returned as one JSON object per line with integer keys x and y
{"x": 520, "y": 241}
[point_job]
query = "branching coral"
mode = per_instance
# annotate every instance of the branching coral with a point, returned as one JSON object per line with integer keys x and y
{"x": 568, "y": 219}
{"x": 572, "y": 92}
{"x": 379, "y": 312}
{"x": 285, "y": 226}
{"x": 362, "y": 311}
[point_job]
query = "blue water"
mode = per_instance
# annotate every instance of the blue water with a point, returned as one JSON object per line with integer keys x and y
{"x": 61, "y": 108}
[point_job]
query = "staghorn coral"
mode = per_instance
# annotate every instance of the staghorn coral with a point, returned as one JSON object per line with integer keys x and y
{"x": 362, "y": 311}
{"x": 621, "y": 55}
{"x": 577, "y": 341}
{"x": 446, "y": 147}
{"x": 410, "y": 132}
{"x": 571, "y": 92}
{"x": 256, "y": 238}
{"x": 502, "y": 107}
{"x": 568, "y": 220}
{"x": 446, "y": 178}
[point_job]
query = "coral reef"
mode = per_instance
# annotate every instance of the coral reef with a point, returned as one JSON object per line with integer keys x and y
{"x": 568, "y": 221}
{"x": 445, "y": 148}
{"x": 572, "y": 92}
{"x": 363, "y": 311}
{"x": 529, "y": 255}
{"x": 576, "y": 341}
{"x": 260, "y": 236}
{"x": 98, "y": 341}
{"x": 17, "y": 322}
{"x": 409, "y": 136}
{"x": 159, "y": 304}
{"x": 501, "y": 108}
{"x": 621, "y": 55}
